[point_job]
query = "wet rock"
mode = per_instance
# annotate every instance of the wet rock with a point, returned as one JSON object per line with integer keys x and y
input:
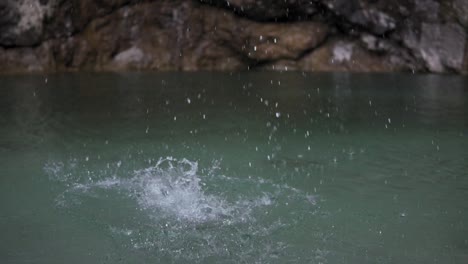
{"x": 442, "y": 46}
{"x": 461, "y": 9}
{"x": 373, "y": 43}
{"x": 377, "y": 22}
{"x": 133, "y": 55}
{"x": 267, "y": 42}
{"x": 342, "y": 7}
{"x": 22, "y": 22}
{"x": 409, "y": 35}
{"x": 9, "y": 17}
{"x": 355, "y": 35}
{"x": 269, "y": 10}
{"x": 120, "y": 40}
{"x": 164, "y": 36}
{"x": 150, "y": 36}
{"x": 342, "y": 52}
{"x": 339, "y": 55}
{"x": 69, "y": 17}
{"x": 377, "y": 17}
{"x": 254, "y": 42}
{"x": 74, "y": 53}
{"x": 426, "y": 10}
{"x": 26, "y": 59}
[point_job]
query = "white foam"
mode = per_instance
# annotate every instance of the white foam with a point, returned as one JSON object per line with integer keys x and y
{"x": 215, "y": 212}
{"x": 174, "y": 187}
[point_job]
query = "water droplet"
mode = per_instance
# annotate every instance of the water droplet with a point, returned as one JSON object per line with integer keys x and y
{"x": 278, "y": 114}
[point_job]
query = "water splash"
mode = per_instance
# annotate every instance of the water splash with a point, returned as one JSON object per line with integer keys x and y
{"x": 174, "y": 187}
{"x": 171, "y": 188}
{"x": 174, "y": 210}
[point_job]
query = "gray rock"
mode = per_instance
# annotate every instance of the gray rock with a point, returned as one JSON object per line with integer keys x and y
{"x": 26, "y": 59}
{"x": 409, "y": 35}
{"x": 341, "y": 7}
{"x": 373, "y": 43}
{"x": 342, "y": 52}
{"x": 442, "y": 45}
{"x": 427, "y": 10}
{"x": 461, "y": 9}
{"x": 22, "y": 22}
{"x": 132, "y": 57}
{"x": 362, "y": 35}
{"x": 269, "y": 9}
{"x": 9, "y": 17}
{"x": 376, "y": 21}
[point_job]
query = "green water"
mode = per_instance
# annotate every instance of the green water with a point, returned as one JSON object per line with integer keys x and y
{"x": 233, "y": 168}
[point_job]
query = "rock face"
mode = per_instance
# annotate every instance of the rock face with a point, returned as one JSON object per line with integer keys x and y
{"x": 317, "y": 35}
{"x": 22, "y": 22}
{"x": 442, "y": 46}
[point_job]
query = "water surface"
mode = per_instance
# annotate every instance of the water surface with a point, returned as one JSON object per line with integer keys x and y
{"x": 233, "y": 168}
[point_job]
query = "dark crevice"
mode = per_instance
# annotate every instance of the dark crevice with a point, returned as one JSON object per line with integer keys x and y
{"x": 80, "y": 29}
{"x": 291, "y": 16}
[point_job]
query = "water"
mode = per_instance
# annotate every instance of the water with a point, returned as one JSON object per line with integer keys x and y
{"x": 233, "y": 168}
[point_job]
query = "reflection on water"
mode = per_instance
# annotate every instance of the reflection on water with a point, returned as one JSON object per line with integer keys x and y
{"x": 436, "y": 103}
{"x": 233, "y": 168}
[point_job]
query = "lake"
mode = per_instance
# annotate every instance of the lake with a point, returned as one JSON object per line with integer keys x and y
{"x": 246, "y": 167}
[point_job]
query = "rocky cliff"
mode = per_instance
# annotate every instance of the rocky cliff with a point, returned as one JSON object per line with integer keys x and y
{"x": 312, "y": 35}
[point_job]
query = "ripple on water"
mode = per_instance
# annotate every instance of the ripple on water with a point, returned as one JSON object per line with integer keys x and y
{"x": 188, "y": 216}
